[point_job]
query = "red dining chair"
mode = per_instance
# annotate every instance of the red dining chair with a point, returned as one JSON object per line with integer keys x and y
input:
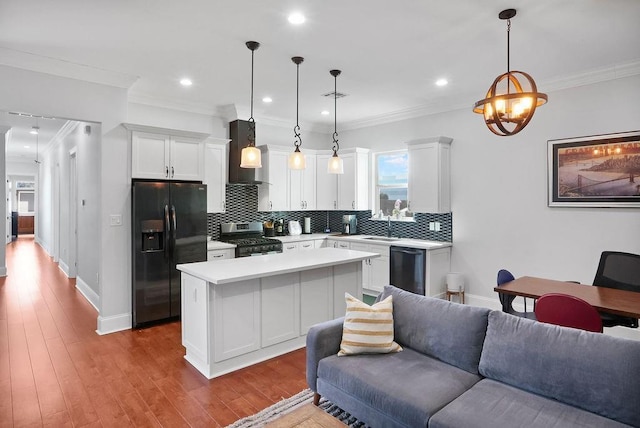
{"x": 568, "y": 311}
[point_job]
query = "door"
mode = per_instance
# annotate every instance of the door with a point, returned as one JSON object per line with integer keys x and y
{"x": 151, "y": 287}
{"x": 188, "y": 225}
{"x": 73, "y": 215}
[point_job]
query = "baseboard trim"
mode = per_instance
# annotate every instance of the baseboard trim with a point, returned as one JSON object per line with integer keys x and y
{"x": 63, "y": 267}
{"x": 88, "y": 293}
{"x": 113, "y": 323}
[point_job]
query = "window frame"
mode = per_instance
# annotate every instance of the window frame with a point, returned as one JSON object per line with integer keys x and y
{"x": 376, "y": 187}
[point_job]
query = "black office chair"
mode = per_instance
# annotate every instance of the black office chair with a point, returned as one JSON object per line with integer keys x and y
{"x": 507, "y": 299}
{"x": 622, "y": 271}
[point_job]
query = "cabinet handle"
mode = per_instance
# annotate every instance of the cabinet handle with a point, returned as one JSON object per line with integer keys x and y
{"x": 301, "y": 205}
{"x": 224, "y": 206}
{"x": 166, "y": 171}
{"x": 409, "y": 205}
{"x": 270, "y": 205}
{"x": 172, "y": 172}
{"x": 353, "y": 205}
{"x": 335, "y": 205}
{"x": 217, "y": 256}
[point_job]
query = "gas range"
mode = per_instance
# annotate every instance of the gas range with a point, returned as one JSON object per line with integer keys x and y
{"x": 248, "y": 239}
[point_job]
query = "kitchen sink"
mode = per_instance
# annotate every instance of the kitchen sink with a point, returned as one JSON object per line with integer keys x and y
{"x": 382, "y": 238}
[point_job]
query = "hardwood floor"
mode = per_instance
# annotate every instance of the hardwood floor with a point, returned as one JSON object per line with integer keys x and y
{"x": 55, "y": 371}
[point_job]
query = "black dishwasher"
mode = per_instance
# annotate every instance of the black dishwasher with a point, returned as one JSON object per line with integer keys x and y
{"x": 407, "y": 268}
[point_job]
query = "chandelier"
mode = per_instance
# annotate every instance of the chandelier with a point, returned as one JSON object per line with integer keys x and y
{"x": 512, "y": 98}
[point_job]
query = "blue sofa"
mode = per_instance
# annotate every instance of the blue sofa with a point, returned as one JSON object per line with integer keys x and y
{"x": 465, "y": 366}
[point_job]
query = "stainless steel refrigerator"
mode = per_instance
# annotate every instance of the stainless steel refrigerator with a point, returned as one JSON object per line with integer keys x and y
{"x": 169, "y": 228}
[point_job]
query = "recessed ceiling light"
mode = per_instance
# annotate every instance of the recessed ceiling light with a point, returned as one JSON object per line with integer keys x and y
{"x": 324, "y": 112}
{"x": 442, "y": 82}
{"x": 34, "y": 130}
{"x": 26, "y": 147}
{"x": 296, "y": 18}
{"x": 267, "y": 100}
{"x": 186, "y": 82}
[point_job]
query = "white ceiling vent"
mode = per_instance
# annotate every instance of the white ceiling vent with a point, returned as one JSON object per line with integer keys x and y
{"x": 332, "y": 93}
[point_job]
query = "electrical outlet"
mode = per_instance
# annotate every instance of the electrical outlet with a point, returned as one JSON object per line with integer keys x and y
{"x": 432, "y": 225}
{"x": 437, "y": 226}
{"x": 115, "y": 220}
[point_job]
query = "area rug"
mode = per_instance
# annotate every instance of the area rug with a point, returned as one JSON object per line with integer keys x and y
{"x": 288, "y": 405}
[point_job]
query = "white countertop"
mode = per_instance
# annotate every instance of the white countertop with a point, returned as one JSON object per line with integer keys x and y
{"x": 396, "y": 242}
{"x": 234, "y": 270}
{"x": 219, "y": 245}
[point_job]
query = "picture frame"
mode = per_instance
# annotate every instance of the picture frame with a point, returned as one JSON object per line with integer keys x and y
{"x": 594, "y": 171}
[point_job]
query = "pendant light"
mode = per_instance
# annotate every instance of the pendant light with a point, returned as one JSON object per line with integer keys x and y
{"x": 250, "y": 156}
{"x": 512, "y": 98}
{"x": 296, "y": 159}
{"x": 336, "y": 166}
{"x": 35, "y": 130}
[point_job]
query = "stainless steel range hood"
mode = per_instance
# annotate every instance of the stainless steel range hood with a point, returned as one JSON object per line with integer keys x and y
{"x": 239, "y": 135}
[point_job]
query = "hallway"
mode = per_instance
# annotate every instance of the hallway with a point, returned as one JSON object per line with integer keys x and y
{"x": 56, "y": 371}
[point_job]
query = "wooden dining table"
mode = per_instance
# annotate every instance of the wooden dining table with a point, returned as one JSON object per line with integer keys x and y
{"x": 604, "y": 299}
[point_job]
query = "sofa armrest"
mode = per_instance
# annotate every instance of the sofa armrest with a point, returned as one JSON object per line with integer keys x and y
{"x": 323, "y": 340}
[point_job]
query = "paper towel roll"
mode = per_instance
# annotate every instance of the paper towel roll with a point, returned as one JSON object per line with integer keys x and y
{"x": 455, "y": 281}
{"x": 307, "y": 225}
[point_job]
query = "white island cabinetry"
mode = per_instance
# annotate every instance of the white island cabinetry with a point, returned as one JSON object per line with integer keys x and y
{"x": 241, "y": 311}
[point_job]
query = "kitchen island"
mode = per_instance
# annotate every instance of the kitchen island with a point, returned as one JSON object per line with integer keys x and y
{"x": 238, "y": 312}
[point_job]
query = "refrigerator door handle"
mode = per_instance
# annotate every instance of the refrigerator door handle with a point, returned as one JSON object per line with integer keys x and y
{"x": 174, "y": 222}
{"x": 166, "y": 232}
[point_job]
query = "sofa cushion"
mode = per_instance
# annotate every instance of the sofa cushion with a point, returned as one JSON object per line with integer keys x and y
{"x": 408, "y": 386}
{"x": 368, "y": 329}
{"x": 593, "y": 371}
{"x": 492, "y": 404}
{"x": 447, "y": 331}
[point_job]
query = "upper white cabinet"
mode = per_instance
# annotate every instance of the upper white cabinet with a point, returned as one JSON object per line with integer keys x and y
{"x": 326, "y": 185}
{"x": 273, "y": 193}
{"x": 430, "y": 175}
{"x": 165, "y": 154}
{"x": 302, "y": 185}
{"x": 348, "y": 191}
{"x": 215, "y": 174}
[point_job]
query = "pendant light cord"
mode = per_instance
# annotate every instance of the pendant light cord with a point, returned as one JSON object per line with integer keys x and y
{"x": 336, "y": 146}
{"x": 508, "y": 55}
{"x": 252, "y": 124}
{"x": 296, "y": 129}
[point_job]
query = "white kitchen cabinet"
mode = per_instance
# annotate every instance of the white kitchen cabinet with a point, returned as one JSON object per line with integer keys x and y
{"x": 348, "y": 191}
{"x": 430, "y": 175}
{"x": 164, "y": 154}
{"x": 338, "y": 243}
{"x": 375, "y": 272}
{"x": 437, "y": 266}
{"x": 194, "y": 304}
{"x": 220, "y": 254}
{"x": 215, "y": 174}
{"x": 353, "y": 185}
{"x": 326, "y": 185}
{"x": 302, "y": 185}
{"x": 290, "y": 247}
{"x": 273, "y": 193}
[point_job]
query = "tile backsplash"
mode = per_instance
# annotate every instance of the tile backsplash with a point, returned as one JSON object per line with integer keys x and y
{"x": 242, "y": 205}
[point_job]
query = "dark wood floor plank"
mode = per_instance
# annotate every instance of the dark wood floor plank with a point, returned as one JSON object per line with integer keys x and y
{"x": 55, "y": 371}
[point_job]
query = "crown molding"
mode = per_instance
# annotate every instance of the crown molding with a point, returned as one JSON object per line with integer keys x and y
{"x": 57, "y": 67}
{"x": 591, "y": 77}
{"x": 171, "y": 104}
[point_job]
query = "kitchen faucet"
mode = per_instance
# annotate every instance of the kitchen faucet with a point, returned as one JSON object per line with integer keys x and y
{"x": 389, "y": 227}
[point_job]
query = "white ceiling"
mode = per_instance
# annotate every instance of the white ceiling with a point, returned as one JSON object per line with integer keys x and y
{"x": 390, "y": 53}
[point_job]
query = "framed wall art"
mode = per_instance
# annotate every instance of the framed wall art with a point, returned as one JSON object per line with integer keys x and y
{"x": 595, "y": 171}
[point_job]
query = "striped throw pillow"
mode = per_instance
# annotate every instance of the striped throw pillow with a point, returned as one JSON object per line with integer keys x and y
{"x": 368, "y": 329}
